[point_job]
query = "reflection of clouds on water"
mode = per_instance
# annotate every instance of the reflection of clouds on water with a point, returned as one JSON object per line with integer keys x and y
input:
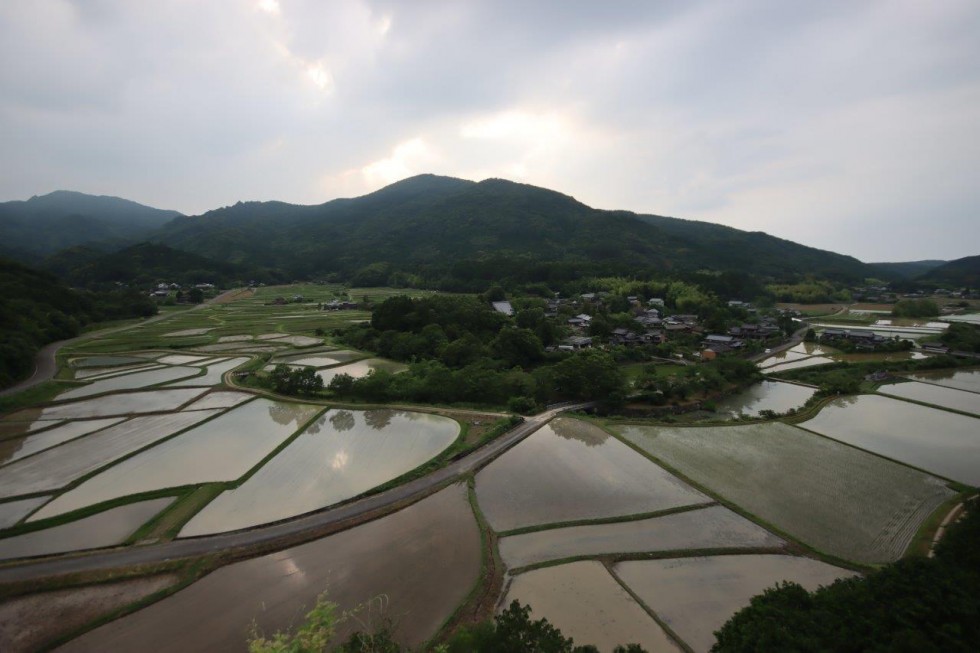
{"x": 378, "y": 419}
{"x": 340, "y": 460}
{"x": 343, "y": 420}
{"x": 573, "y": 430}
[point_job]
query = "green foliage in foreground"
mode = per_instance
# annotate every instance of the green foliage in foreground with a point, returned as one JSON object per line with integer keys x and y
{"x": 511, "y": 631}
{"x": 915, "y": 604}
{"x": 962, "y": 337}
{"x": 300, "y": 381}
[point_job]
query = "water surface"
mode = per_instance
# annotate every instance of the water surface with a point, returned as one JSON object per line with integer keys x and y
{"x": 776, "y": 396}
{"x": 14, "y": 449}
{"x": 961, "y": 400}
{"x": 968, "y": 380}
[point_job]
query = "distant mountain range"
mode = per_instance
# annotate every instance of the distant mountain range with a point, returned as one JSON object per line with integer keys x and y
{"x": 48, "y": 223}
{"x": 441, "y": 231}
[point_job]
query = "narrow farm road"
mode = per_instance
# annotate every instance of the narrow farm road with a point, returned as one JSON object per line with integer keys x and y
{"x": 45, "y": 363}
{"x": 287, "y": 533}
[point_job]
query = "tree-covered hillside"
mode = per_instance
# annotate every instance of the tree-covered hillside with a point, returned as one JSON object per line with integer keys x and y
{"x": 457, "y": 234}
{"x": 963, "y": 272}
{"x": 45, "y": 224}
{"x": 36, "y": 308}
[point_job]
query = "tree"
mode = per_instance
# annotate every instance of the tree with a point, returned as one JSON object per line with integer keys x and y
{"x": 195, "y": 296}
{"x": 590, "y": 374}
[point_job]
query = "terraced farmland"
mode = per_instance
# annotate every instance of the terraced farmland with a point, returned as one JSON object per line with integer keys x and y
{"x": 836, "y": 498}
{"x": 936, "y": 395}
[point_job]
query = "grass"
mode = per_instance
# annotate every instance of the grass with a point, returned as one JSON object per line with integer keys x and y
{"x": 39, "y": 394}
{"x": 167, "y": 524}
{"x": 604, "y": 520}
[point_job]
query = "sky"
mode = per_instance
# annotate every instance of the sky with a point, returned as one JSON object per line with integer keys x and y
{"x": 850, "y": 126}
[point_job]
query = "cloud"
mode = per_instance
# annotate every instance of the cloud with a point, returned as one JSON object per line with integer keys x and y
{"x": 836, "y": 124}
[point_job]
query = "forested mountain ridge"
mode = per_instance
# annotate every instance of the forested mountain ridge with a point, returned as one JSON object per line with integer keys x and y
{"x": 45, "y": 224}
{"x": 434, "y": 228}
{"x": 963, "y": 272}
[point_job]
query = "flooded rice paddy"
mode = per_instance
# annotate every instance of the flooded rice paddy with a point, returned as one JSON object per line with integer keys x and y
{"x": 360, "y": 369}
{"x": 797, "y": 364}
{"x": 714, "y": 527}
{"x": 405, "y": 558}
{"x": 222, "y": 449}
{"x": 968, "y": 380}
{"x": 341, "y": 455}
{"x": 936, "y": 395}
{"x": 212, "y": 374}
{"x": 587, "y": 604}
{"x": 777, "y": 396}
{"x": 836, "y": 498}
{"x": 33, "y": 622}
{"x": 12, "y": 512}
{"x": 92, "y": 373}
{"x": 129, "y": 403}
{"x": 325, "y": 359}
{"x": 130, "y": 381}
{"x": 220, "y": 399}
{"x": 180, "y": 359}
{"x": 107, "y": 528}
{"x": 59, "y": 466}
{"x": 696, "y": 596}
{"x": 935, "y": 440}
{"x": 16, "y": 448}
{"x": 570, "y": 470}
{"x": 108, "y": 361}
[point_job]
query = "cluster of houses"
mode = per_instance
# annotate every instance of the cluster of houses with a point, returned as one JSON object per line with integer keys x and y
{"x": 163, "y": 290}
{"x": 860, "y": 339}
{"x": 338, "y": 305}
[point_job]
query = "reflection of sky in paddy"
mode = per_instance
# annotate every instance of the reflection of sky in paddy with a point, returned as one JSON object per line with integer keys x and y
{"x": 341, "y": 455}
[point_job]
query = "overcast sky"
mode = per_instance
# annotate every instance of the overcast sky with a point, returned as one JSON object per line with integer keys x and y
{"x": 851, "y": 126}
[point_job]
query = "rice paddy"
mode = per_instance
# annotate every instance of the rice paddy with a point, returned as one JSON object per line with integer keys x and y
{"x": 777, "y": 396}
{"x": 836, "y": 498}
{"x": 695, "y": 596}
{"x": 129, "y": 403}
{"x": 360, "y": 369}
{"x": 130, "y": 381}
{"x": 938, "y": 441}
{"x": 16, "y": 448}
{"x": 713, "y": 527}
{"x": 936, "y": 395}
{"x": 570, "y": 470}
{"x": 12, "y": 512}
{"x": 968, "y": 380}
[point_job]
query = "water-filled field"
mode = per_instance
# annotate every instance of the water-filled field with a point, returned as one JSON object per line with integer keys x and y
{"x": 130, "y": 381}
{"x": 57, "y": 467}
{"x": 404, "y": 561}
{"x": 936, "y": 395}
{"x": 219, "y": 399}
{"x": 106, "y": 528}
{"x": 776, "y": 396}
{"x": 222, "y": 449}
{"x": 968, "y": 380}
{"x": 360, "y": 369}
{"x": 784, "y": 356}
{"x": 696, "y": 596}
{"x": 12, "y": 512}
{"x": 570, "y": 470}
{"x": 797, "y": 364}
{"x": 342, "y": 454}
{"x": 15, "y": 448}
{"x": 835, "y": 498}
{"x": 936, "y": 440}
{"x": 212, "y": 374}
{"x": 714, "y": 527}
{"x": 588, "y": 605}
{"x": 92, "y": 373}
{"x": 147, "y": 401}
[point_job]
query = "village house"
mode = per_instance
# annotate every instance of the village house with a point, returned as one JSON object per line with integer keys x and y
{"x": 575, "y": 343}
{"x": 503, "y": 307}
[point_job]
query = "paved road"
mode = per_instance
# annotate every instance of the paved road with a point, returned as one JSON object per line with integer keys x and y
{"x": 45, "y": 365}
{"x": 293, "y": 530}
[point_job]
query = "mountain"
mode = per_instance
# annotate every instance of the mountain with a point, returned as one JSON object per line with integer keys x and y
{"x": 961, "y": 273}
{"x": 456, "y": 233}
{"x": 44, "y": 224}
{"x": 905, "y": 270}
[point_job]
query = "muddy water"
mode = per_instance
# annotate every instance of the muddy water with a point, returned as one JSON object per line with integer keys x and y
{"x": 766, "y": 395}
{"x": 11, "y": 450}
{"x": 59, "y": 466}
{"x": 570, "y": 470}
{"x": 104, "y": 529}
{"x": 707, "y": 528}
{"x": 587, "y": 604}
{"x": 341, "y": 455}
{"x": 968, "y": 380}
{"x": 130, "y": 381}
{"x": 696, "y": 596}
{"x": 220, "y": 450}
{"x": 423, "y": 560}
{"x": 29, "y": 622}
{"x": 149, "y": 401}
{"x": 935, "y": 440}
{"x": 12, "y": 512}
{"x": 961, "y": 400}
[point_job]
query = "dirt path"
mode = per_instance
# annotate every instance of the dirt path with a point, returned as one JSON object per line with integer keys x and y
{"x": 46, "y": 365}
{"x": 244, "y": 544}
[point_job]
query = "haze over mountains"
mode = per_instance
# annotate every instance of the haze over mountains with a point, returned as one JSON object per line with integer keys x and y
{"x": 421, "y": 229}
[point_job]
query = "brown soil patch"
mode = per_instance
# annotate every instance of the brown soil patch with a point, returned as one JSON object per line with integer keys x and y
{"x": 29, "y": 622}
{"x": 234, "y": 295}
